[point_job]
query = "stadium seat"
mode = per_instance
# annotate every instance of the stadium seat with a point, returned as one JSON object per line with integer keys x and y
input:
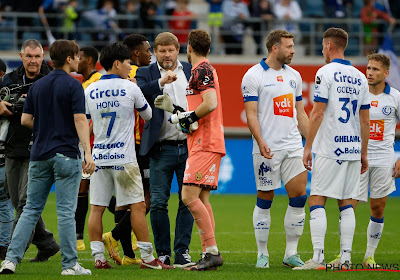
{"x": 357, "y": 5}
{"x": 314, "y": 8}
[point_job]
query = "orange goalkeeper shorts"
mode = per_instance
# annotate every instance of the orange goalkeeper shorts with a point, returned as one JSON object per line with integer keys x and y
{"x": 202, "y": 169}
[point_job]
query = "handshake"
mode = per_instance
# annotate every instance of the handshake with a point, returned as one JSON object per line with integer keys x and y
{"x": 186, "y": 121}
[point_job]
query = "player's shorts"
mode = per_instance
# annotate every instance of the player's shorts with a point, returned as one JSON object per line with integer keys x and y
{"x": 335, "y": 179}
{"x": 123, "y": 180}
{"x": 380, "y": 182}
{"x": 283, "y": 167}
{"x": 144, "y": 166}
{"x": 202, "y": 169}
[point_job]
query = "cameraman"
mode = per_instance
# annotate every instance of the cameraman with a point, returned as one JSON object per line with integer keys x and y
{"x": 18, "y": 145}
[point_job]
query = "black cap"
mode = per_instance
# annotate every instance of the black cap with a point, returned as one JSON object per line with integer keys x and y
{"x": 3, "y": 66}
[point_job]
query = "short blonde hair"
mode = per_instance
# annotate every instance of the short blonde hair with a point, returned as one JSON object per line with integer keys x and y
{"x": 166, "y": 39}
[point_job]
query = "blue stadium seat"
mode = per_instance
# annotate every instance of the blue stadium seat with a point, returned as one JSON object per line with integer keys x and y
{"x": 314, "y": 8}
{"x": 357, "y": 5}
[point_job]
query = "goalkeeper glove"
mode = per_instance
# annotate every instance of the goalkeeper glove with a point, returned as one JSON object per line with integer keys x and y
{"x": 164, "y": 102}
{"x": 187, "y": 121}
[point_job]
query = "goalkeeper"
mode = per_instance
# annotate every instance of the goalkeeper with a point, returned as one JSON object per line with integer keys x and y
{"x": 206, "y": 145}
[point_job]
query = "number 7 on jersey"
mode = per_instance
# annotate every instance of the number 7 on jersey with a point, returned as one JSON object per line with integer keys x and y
{"x": 113, "y": 115}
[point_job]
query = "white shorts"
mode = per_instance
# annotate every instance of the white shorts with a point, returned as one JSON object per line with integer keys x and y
{"x": 283, "y": 167}
{"x": 335, "y": 179}
{"x": 123, "y": 180}
{"x": 380, "y": 182}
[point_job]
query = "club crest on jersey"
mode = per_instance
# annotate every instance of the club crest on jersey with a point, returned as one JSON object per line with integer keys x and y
{"x": 292, "y": 83}
{"x": 377, "y": 127}
{"x": 245, "y": 90}
{"x": 263, "y": 169}
{"x": 387, "y": 110}
{"x": 283, "y": 105}
{"x": 199, "y": 176}
{"x": 374, "y": 103}
{"x": 279, "y": 79}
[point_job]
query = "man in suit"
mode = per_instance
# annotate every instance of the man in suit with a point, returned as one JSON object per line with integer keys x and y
{"x": 166, "y": 147}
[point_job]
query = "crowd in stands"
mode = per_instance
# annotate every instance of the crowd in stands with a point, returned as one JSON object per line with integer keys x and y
{"x": 229, "y": 17}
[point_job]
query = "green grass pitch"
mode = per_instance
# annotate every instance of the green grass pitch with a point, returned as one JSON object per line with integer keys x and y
{"x": 235, "y": 238}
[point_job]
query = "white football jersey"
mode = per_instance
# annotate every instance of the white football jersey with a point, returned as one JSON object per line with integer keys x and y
{"x": 345, "y": 90}
{"x": 110, "y": 103}
{"x": 276, "y": 93}
{"x": 383, "y": 115}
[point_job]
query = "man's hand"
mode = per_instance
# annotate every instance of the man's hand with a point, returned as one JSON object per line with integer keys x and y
{"x": 307, "y": 159}
{"x": 133, "y": 80}
{"x": 4, "y": 110}
{"x": 265, "y": 150}
{"x": 364, "y": 163}
{"x": 168, "y": 78}
{"x": 164, "y": 102}
{"x": 89, "y": 164}
{"x": 396, "y": 169}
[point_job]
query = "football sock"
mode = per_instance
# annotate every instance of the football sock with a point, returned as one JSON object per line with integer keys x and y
{"x": 111, "y": 206}
{"x": 80, "y": 214}
{"x": 203, "y": 222}
{"x": 347, "y": 226}
{"x": 97, "y": 250}
{"x": 261, "y": 224}
{"x": 318, "y": 226}
{"x": 122, "y": 231}
{"x": 210, "y": 212}
{"x": 212, "y": 249}
{"x": 294, "y": 223}
{"x": 146, "y": 251}
{"x": 374, "y": 233}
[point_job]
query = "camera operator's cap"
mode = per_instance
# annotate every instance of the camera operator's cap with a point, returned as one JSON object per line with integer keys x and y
{"x": 3, "y": 66}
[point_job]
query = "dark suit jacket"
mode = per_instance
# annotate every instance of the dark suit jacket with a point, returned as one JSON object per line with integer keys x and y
{"x": 147, "y": 79}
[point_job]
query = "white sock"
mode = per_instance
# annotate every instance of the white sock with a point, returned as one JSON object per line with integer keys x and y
{"x": 294, "y": 225}
{"x": 261, "y": 223}
{"x": 212, "y": 250}
{"x": 374, "y": 233}
{"x": 318, "y": 231}
{"x": 97, "y": 250}
{"x": 146, "y": 251}
{"x": 347, "y": 226}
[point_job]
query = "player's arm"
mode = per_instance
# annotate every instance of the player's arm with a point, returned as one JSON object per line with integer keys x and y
{"x": 302, "y": 118}
{"x": 317, "y": 115}
{"x": 145, "y": 113}
{"x": 365, "y": 130}
{"x": 208, "y": 105}
{"x": 396, "y": 169}
{"x": 142, "y": 106}
{"x": 254, "y": 126}
{"x": 27, "y": 120}
{"x": 82, "y": 129}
